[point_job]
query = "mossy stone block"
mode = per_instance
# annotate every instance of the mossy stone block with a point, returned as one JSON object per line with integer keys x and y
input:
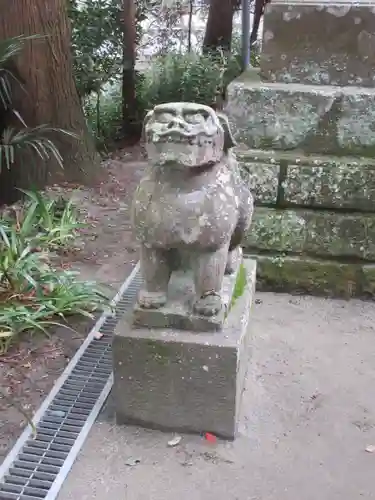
{"x": 325, "y": 119}
{"x": 315, "y": 233}
{"x": 279, "y": 230}
{"x": 368, "y": 280}
{"x": 336, "y": 183}
{"x": 261, "y": 177}
{"x": 308, "y": 276}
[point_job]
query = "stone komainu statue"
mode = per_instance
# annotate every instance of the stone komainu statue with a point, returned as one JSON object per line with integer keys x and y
{"x": 191, "y": 206}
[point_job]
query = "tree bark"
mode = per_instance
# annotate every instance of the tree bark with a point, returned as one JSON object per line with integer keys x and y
{"x": 219, "y": 26}
{"x": 49, "y": 96}
{"x": 131, "y": 126}
{"x": 260, "y": 5}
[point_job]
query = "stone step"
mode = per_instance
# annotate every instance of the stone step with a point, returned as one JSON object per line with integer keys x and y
{"x": 313, "y": 119}
{"x": 301, "y": 275}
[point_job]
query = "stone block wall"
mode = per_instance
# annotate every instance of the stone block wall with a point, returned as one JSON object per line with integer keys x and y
{"x": 305, "y": 131}
{"x": 314, "y": 224}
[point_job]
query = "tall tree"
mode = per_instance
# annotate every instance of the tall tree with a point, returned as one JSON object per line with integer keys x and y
{"x": 49, "y": 94}
{"x": 219, "y": 25}
{"x": 129, "y": 103}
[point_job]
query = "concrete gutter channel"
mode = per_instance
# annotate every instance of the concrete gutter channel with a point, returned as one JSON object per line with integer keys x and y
{"x": 37, "y": 466}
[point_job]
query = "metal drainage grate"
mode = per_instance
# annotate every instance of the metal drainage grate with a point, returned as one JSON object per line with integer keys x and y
{"x": 36, "y": 467}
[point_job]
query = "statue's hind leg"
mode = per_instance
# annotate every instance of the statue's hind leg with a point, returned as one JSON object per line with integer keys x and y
{"x": 209, "y": 271}
{"x": 156, "y": 273}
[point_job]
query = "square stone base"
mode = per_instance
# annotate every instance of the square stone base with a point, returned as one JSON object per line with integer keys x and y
{"x": 184, "y": 381}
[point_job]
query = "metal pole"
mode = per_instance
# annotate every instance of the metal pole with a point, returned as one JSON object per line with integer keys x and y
{"x": 245, "y": 34}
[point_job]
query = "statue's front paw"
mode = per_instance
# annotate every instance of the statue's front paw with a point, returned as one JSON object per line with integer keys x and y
{"x": 208, "y": 305}
{"x": 151, "y": 300}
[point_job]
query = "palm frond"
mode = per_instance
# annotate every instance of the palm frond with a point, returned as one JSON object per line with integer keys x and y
{"x": 10, "y": 48}
{"x": 35, "y": 139}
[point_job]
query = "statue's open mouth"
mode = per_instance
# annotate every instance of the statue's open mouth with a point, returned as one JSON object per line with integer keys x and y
{"x": 180, "y": 137}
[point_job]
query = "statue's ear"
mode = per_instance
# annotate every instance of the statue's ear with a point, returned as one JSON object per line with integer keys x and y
{"x": 145, "y": 121}
{"x": 229, "y": 141}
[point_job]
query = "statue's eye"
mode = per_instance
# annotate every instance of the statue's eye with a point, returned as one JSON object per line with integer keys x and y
{"x": 165, "y": 117}
{"x": 194, "y": 118}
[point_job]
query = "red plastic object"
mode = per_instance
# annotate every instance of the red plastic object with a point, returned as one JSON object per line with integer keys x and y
{"x": 210, "y": 437}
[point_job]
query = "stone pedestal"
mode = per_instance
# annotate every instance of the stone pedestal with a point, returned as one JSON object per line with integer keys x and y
{"x": 181, "y": 380}
{"x": 306, "y": 136}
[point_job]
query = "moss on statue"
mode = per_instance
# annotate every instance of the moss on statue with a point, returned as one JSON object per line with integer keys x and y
{"x": 239, "y": 286}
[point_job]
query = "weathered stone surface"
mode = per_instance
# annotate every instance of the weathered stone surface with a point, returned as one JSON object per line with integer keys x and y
{"x": 368, "y": 280}
{"x": 315, "y": 233}
{"x": 356, "y": 121}
{"x": 178, "y": 312}
{"x": 262, "y": 178}
{"x": 311, "y": 119}
{"x": 192, "y": 200}
{"x": 279, "y": 230}
{"x": 326, "y": 43}
{"x": 331, "y": 183}
{"x": 303, "y": 275}
{"x": 279, "y": 116}
{"x": 310, "y": 180}
{"x": 345, "y": 236}
{"x": 180, "y": 381}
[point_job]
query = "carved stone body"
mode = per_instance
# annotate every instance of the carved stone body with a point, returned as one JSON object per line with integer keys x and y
{"x": 192, "y": 206}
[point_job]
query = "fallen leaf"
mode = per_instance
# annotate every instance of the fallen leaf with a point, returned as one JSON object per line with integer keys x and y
{"x": 175, "y": 441}
{"x": 131, "y": 462}
{"x": 210, "y": 437}
{"x": 57, "y": 413}
{"x": 370, "y": 448}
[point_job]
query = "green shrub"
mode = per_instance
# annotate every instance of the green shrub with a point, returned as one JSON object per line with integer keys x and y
{"x": 182, "y": 77}
{"x": 189, "y": 76}
{"x": 176, "y": 76}
{"x": 104, "y": 115}
{"x": 234, "y": 63}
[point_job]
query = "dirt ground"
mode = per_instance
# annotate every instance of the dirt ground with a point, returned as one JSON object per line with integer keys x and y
{"x": 107, "y": 254}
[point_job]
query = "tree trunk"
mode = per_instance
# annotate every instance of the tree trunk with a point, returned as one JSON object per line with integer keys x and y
{"x": 219, "y": 25}
{"x": 258, "y": 13}
{"x": 50, "y": 96}
{"x": 131, "y": 127}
